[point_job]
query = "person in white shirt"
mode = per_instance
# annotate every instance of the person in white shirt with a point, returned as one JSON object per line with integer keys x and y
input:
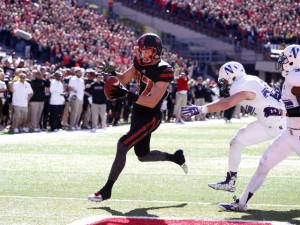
{"x": 57, "y": 101}
{"x": 22, "y": 92}
{"x": 76, "y": 88}
{"x": 3, "y": 89}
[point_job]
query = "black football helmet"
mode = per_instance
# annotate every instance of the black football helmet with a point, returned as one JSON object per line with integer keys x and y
{"x": 145, "y": 42}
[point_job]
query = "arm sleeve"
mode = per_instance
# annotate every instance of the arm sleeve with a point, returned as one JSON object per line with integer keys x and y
{"x": 294, "y": 112}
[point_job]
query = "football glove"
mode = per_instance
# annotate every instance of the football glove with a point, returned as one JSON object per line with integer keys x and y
{"x": 276, "y": 93}
{"x": 120, "y": 91}
{"x": 188, "y": 111}
{"x": 272, "y": 111}
{"x": 107, "y": 68}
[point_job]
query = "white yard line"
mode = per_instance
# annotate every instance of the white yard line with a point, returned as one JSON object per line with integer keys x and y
{"x": 144, "y": 201}
{"x": 132, "y": 173}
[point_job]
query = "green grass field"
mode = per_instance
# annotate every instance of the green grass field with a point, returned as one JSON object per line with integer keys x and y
{"x": 46, "y": 177}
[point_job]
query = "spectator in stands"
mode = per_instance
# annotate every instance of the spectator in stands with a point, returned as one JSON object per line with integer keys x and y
{"x": 36, "y": 104}
{"x": 110, "y": 8}
{"x": 44, "y": 122}
{"x": 98, "y": 102}
{"x": 86, "y": 108}
{"x": 199, "y": 90}
{"x": 57, "y": 101}
{"x": 22, "y": 92}
{"x": 3, "y": 90}
{"x": 208, "y": 97}
{"x": 171, "y": 102}
{"x": 66, "y": 112}
{"x": 181, "y": 94}
{"x": 76, "y": 87}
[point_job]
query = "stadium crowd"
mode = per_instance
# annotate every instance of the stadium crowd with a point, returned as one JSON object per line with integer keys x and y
{"x": 71, "y": 42}
{"x": 252, "y": 23}
{"x": 43, "y": 98}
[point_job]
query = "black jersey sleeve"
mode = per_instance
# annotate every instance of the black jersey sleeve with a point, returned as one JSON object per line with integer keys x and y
{"x": 166, "y": 73}
{"x": 162, "y": 72}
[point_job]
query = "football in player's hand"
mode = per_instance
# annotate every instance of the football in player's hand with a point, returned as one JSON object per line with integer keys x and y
{"x": 109, "y": 85}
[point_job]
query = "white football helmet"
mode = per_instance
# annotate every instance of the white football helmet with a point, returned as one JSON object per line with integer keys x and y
{"x": 229, "y": 73}
{"x": 289, "y": 59}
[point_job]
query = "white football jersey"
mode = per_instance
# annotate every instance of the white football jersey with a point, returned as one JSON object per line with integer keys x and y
{"x": 262, "y": 99}
{"x": 290, "y": 100}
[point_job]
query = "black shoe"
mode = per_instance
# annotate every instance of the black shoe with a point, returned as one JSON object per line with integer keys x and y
{"x": 180, "y": 160}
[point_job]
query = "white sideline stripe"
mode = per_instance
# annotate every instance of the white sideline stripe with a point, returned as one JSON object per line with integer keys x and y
{"x": 33, "y": 137}
{"x": 128, "y": 200}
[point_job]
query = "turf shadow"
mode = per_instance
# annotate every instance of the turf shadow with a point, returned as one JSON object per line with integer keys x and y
{"x": 272, "y": 215}
{"x": 139, "y": 211}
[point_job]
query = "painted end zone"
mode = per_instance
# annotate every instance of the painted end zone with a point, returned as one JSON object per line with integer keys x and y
{"x": 170, "y": 221}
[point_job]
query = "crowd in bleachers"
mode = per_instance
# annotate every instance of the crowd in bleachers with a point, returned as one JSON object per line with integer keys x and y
{"x": 44, "y": 98}
{"x": 67, "y": 42}
{"x": 70, "y": 42}
{"x": 252, "y": 23}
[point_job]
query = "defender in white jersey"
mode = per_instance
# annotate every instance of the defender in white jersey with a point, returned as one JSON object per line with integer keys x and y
{"x": 289, "y": 140}
{"x": 254, "y": 95}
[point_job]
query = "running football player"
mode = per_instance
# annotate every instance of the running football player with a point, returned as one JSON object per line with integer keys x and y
{"x": 254, "y": 95}
{"x": 153, "y": 76}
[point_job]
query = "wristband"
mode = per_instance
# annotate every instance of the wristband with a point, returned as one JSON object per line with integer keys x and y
{"x": 203, "y": 109}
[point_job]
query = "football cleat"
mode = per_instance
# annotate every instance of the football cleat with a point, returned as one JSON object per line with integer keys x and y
{"x": 180, "y": 160}
{"x": 97, "y": 197}
{"x": 227, "y": 185}
{"x": 184, "y": 168}
{"x": 234, "y": 206}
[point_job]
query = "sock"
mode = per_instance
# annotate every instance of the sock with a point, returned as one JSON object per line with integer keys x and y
{"x": 171, "y": 157}
{"x": 233, "y": 174}
{"x": 109, "y": 184}
{"x": 106, "y": 190}
{"x": 249, "y": 196}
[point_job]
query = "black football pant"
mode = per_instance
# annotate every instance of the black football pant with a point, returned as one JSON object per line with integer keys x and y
{"x": 138, "y": 136}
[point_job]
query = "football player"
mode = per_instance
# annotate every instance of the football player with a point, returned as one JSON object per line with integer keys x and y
{"x": 288, "y": 141}
{"x": 254, "y": 95}
{"x": 153, "y": 76}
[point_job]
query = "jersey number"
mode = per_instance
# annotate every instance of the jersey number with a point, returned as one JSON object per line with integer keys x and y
{"x": 149, "y": 84}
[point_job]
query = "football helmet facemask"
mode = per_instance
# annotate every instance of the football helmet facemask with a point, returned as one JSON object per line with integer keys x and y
{"x": 149, "y": 49}
{"x": 288, "y": 60}
{"x": 229, "y": 73}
